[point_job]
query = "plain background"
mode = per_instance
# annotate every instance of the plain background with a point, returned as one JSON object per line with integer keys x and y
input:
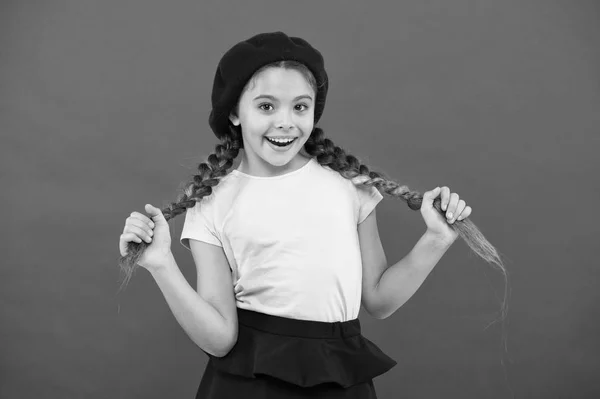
{"x": 104, "y": 107}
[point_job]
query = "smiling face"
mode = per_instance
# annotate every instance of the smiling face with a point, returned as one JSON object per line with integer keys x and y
{"x": 276, "y": 105}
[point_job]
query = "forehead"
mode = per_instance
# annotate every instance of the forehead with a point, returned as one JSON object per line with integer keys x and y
{"x": 279, "y": 81}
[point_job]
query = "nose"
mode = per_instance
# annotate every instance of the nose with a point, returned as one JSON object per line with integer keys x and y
{"x": 284, "y": 126}
{"x": 285, "y": 122}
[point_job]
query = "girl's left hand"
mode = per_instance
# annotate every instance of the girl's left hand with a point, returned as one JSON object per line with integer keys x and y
{"x": 455, "y": 208}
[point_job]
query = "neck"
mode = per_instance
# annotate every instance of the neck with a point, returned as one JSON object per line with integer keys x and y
{"x": 262, "y": 168}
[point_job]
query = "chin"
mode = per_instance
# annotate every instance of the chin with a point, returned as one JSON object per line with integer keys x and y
{"x": 280, "y": 161}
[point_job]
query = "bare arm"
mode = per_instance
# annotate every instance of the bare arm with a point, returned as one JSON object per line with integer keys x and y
{"x": 387, "y": 288}
{"x": 209, "y": 321}
{"x": 400, "y": 281}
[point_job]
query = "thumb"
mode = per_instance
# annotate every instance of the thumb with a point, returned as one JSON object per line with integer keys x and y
{"x": 429, "y": 196}
{"x": 155, "y": 213}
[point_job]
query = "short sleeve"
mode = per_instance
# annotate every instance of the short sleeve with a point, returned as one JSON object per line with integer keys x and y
{"x": 199, "y": 225}
{"x": 368, "y": 198}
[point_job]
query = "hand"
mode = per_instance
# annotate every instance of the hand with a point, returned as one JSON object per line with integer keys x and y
{"x": 455, "y": 209}
{"x": 154, "y": 230}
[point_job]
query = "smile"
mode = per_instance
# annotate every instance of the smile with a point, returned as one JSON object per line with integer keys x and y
{"x": 280, "y": 142}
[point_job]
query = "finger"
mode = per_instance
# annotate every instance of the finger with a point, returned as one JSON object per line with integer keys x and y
{"x": 465, "y": 213}
{"x": 155, "y": 213}
{"x": 142, "y": 217}
{"x": 129, "y": 237}
{"x": 429, "y": 196}
{"x": 141, "y": 233}
{"x": 445, "y": 191}
{"x": 138, "y": 223}
{"x": 124, "y": 240}
{"x": 458, "y": 211}
{"x": 451, "y": 212}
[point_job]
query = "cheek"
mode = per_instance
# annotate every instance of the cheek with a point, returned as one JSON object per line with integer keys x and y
{"x": 307, "y": 121}
{"x": 306, "y": 126}
{"x": 255, "y": 125}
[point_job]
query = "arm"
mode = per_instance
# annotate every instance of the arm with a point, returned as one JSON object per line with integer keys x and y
{"x": 214, "y": 331}
{"x": 385, "y": 289}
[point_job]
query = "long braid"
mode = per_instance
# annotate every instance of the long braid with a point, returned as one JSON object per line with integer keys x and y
{"x": 200, "y": 185}
{"x": 328, "y": 154}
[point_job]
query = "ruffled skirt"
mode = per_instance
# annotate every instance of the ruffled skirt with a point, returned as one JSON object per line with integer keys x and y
{"x": 278, "y": 357}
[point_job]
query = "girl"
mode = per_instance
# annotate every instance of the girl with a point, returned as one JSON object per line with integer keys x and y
{"x": 286, "y": 246}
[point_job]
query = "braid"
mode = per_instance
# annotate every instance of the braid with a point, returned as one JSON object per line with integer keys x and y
{"x": 328, "y": 154}
{"x": 200, "y": 185}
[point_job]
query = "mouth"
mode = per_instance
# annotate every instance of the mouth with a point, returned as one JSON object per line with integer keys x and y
{"x": 281, "y": 143}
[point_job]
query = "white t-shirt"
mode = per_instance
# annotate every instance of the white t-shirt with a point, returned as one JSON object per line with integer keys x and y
{"x": 291, "y": 240}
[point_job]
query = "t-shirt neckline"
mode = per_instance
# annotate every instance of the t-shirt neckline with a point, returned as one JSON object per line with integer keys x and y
{"x": 294, "y": 172}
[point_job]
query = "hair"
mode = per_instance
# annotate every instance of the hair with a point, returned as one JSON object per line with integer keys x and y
{"x": 327, "y": 154}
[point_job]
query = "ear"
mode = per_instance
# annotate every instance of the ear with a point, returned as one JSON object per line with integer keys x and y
{"x": 234, "y": 119}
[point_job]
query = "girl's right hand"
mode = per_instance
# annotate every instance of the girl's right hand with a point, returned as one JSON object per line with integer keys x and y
{"x": 154, "y": 230}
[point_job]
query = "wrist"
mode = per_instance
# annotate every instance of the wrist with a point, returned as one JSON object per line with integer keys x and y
{"x": 166, "y": 265}
{"x": 440, "y": 240}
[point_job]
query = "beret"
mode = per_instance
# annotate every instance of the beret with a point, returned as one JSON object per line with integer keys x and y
{"x": 240, "y": 62}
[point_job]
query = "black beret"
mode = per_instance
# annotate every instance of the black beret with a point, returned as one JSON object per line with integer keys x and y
{"x": 239, "y": 64}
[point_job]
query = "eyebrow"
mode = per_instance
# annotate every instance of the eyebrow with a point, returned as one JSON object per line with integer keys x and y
{"x": 274, "y": 99}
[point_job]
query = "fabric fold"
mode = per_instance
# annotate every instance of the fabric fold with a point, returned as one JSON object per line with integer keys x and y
{"x": 305, "y": 361}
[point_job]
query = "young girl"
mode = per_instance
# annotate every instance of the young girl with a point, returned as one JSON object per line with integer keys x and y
{"x": 286, "y": 246}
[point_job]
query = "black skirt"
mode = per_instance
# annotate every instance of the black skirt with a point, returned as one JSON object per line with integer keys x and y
{"x": 278, "y": 358}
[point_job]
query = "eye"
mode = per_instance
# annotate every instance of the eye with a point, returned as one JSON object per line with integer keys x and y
{"x": 265, "y": 106}
{"x": 299, "y": 107}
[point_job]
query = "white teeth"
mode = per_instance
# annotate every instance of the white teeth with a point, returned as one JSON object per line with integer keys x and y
{"x": 281, "y": 140}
